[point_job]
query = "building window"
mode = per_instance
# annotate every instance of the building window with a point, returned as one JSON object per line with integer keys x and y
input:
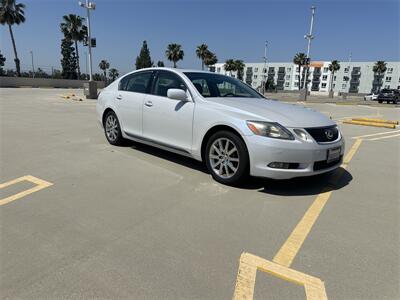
{"x": 346, "y": 70}
{"x": 255, "y": 76}
{"x": 324, "y": 77}
{"x": 323, "y": 85}
{"x": 398, "y": 87}
{"x": 387, "y": 86}
{"x": 286, "y": 84}
{"x": 297, "y": 77}
{"x": 297, "y": 69}
{"x": 390, "y": 70}
{"x": 333, "y": 85}
{"x": 326, "y": 69}
{"x": 255, "y": 69}
{"x": 289, "y": 69}
{"x": 218, "y": 70}
{"x": 344, "y": 86}
{"x": 296, "y": 84}
{"x": 334, "y": 78}
{"x": 287, "y": 77}
{"x": 388, "y": 79}
{"x": 264, "y": 70}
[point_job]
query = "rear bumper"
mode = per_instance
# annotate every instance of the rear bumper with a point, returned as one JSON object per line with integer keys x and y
{"x": 310, "y": 158}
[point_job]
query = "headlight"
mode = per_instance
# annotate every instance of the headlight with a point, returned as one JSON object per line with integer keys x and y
{"x": 301, "y": 134}
{"x": 268, "y": 129}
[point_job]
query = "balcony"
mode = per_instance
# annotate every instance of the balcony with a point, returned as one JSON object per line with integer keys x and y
{"x": 355, "y": 81}
{"x": 355, "y": 73}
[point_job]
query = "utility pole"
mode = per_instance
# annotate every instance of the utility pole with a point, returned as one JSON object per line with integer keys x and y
{"x": 86, "y": 63}
{"x": 264, "y": 81}
{"x": 91, "y": 87}
{"x": 308, "y": 37}
{"x": 33, "y": 66}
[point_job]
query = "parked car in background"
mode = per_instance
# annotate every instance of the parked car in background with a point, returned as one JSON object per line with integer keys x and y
{"x": 371, "y": 97}
{"x": 389, "y": 95}
{"x": 221, "y": 121}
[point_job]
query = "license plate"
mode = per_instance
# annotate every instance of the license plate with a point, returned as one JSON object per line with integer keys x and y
{"x": 333, "y": 154}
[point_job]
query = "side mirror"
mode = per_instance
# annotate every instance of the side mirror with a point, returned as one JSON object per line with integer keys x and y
{"x": 177, "y": 94}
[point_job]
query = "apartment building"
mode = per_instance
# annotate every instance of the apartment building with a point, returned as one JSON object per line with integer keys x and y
{"x": 353, "y": 77}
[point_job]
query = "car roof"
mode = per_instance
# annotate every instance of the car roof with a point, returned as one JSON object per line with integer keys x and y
{"x": 176, "y": 70}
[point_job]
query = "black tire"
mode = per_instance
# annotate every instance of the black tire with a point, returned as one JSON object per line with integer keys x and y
{"x": 242, "y": 156}
{"x": 114, "y": 138}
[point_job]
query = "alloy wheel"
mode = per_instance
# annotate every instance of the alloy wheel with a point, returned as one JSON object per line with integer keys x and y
{"x": 224, "y": 158}
{"x": 112, "y": 127}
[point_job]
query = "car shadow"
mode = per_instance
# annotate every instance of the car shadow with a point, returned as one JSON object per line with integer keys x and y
{"x": 301, "y": 186}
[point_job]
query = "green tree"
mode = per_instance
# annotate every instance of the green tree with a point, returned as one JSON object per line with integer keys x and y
{"x": 334, "y": 66}
{"x": 174, "y": 53}
{"x": 230, "y": 66}
{"x": 12, "y": 13}
{"x": 113, "y": 73}
{"x": 2, "y": 61}
{"x": 160, "y": 64}
{"x": 202, "y": 52}
{"x": 144, "y": 59}
{"x": 68, "y": 60}
{"x": 239, "y": 67}
{"x": 210, "y": 59}
{"x": 379, "y": 68}
{"x": 300, "y": 59}
{"x": 104, "y": 65}
{"x": 73, "y": 29}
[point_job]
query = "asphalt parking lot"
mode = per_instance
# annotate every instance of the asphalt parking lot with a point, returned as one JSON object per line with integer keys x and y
{"x": 134, "y": 222}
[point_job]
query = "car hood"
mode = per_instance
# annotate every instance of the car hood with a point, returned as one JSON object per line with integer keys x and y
{"x": 289, "y": 115}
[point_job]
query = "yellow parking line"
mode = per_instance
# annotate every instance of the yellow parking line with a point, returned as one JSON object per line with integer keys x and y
{"x": 384, "y": 137}
{"x": 40, "y": 184}
{"x": 249, "y": 264}
{"x": 296, "y": 239}
{"x": 374, "y": 134}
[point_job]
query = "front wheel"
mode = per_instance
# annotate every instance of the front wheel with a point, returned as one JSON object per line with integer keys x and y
{"x": 227, "y": 158}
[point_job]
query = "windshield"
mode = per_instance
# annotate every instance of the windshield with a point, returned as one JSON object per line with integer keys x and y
{"x": 216, "y": 85}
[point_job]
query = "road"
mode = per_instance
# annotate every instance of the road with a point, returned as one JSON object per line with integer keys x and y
{"x": 136, "y": 222}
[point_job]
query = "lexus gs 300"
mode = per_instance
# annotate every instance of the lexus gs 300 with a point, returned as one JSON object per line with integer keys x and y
{"x": 220, "y": 121}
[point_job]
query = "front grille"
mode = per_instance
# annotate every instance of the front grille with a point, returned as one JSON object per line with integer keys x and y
{"x": 324, "y": 134}
{"x": 323, "y": 164}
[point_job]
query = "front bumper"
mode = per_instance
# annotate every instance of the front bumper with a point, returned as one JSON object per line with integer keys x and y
{"x": 263, "y": 151}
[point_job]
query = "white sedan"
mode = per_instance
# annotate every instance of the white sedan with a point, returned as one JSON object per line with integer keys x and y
{"x": 371, "y": 97}
{"x": 221, "y": 121}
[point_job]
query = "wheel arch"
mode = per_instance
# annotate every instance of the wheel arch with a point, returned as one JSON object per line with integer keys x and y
{"x": 106, "y": 111}
{"x": 215, "y": 129}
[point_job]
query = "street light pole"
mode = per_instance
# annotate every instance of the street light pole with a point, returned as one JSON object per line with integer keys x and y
{"x": 33, "y": 66}
{"x": 308, "y": 37}
{"x": 265, "y": 67}
{"x": 90, "y": 88}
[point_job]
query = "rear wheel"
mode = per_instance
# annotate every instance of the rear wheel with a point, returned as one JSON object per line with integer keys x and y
{"x": 227, "y": 158}
{"x": 112, "y": 129}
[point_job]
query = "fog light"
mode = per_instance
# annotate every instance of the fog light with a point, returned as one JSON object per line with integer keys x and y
{"x": 279, "y": 165}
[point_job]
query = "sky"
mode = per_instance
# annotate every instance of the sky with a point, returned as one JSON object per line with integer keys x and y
{"x": 237, "y": 29}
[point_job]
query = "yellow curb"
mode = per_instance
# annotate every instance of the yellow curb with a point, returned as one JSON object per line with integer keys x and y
{"x": 376, "y": 120}
{"x": 364, "y": 123}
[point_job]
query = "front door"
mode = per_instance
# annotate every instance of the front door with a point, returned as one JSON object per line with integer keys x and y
{"x": 166, "y": 121}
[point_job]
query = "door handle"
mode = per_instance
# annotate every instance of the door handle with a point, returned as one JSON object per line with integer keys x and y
{"x": 149, "y": 104}
{"x": 119, "y": 97}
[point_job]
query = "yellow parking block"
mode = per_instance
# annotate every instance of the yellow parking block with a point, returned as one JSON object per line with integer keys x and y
{"x": 40, "y": 184}
{"x": 376, "y": 121}
{"x": 364, "y": 123}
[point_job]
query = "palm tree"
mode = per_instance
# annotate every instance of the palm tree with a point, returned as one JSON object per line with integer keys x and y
{"x": 113, "y": 73}
{"x": 379, "y": 68}
{"x": 202, "y": 52}
{"x": 174, "y": 53}
{"x": 230, "y": 66}
{"x": 160, "y": 64}
{"x": 300, "y": 59}
{"x": 104, "y": 65}
{"x": 239, "y": 66}
{"x": 210, "y": 59}
{"x": 74, "y": 30}
{"x": 12, "y": 13}
{"x": 333, "y": 67}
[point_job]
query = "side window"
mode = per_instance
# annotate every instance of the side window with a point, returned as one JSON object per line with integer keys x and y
{"x": 137, "y": 83}
{"x": 202, "y": 86}
{"x": 165, "y": 81}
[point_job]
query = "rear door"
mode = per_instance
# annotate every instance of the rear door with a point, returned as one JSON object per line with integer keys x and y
{"x": 133, "y": 89}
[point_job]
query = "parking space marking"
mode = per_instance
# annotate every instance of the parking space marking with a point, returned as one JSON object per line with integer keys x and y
{"x": 249, "y": 264}
{"x": 384, "y": 137}
{"x": 375, "y": 134}
{"x": 40, "y": 184}
{"x": 280, "y": 264}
